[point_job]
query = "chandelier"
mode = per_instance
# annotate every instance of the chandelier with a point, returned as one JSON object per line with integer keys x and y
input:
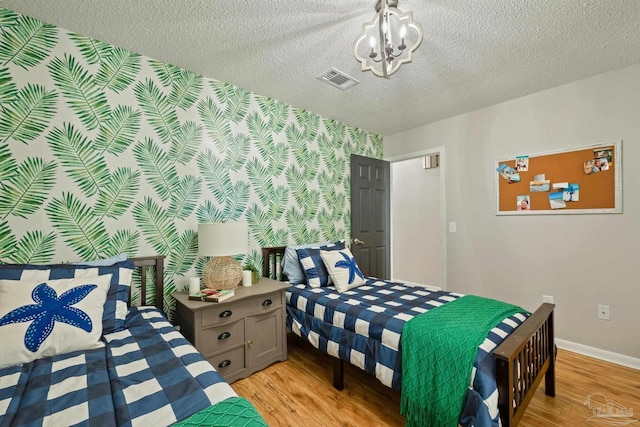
{"x": 388, "y": 41}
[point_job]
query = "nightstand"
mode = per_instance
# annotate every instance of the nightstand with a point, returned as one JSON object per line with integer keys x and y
{"x": 241, "y": 335}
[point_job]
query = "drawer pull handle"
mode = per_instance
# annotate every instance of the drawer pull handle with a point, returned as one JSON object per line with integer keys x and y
{"x": 224, "y": 336}
{"x": 250, "y": 343}
{"x": 224, "y": 363}
{"x": 267, "y": 302}
{"x": 226, "y": 313}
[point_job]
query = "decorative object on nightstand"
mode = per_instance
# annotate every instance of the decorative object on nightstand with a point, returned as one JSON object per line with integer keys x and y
{"x": 212, "y": 295}
{"x": 220, "y": 241}
{"x": 255, "y": 273}
{"x": 247, "y": 278}
{"x": 194, "y": 285}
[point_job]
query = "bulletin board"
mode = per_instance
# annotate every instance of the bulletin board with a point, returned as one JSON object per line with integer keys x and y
{"x": 582, "y": 180}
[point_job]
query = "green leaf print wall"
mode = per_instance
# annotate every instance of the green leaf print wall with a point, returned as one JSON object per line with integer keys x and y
{"x": 104, "y": 151}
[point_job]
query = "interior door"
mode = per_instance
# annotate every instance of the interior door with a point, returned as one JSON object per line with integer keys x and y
{"x": 370, "y": 213}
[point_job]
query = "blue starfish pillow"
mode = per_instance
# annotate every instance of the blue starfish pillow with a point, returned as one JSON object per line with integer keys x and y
{"x": 115, "y": 307}
{"x": 343, "y": 269}
{"x": 45, "y": 318}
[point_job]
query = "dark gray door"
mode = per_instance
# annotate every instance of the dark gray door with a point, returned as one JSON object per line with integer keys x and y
{"x": 370, "y": 209}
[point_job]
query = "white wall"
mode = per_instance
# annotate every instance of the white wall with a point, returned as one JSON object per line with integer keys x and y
{"x": 415, "y": 222}
{"x": 581, "y": 260}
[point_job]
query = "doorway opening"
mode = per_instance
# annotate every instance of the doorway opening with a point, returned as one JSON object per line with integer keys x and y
{"x": 418, "y": 238}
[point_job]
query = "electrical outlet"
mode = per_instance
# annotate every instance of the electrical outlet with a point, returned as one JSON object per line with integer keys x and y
{"x": 547, "y": 298}
{"x": 603, "y": 312}
{"x": 452, "y": 227}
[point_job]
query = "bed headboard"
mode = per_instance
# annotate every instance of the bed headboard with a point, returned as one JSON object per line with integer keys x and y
{"x": 271, "y": 258}
{"x": 143, "y": 263}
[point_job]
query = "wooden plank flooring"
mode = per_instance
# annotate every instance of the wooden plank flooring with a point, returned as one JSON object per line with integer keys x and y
{"x": 298, "y": 392}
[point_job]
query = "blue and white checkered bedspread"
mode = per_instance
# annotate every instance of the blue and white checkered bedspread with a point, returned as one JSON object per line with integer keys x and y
{"x": 363, "y": 326}
{"x": 145, "y": 375}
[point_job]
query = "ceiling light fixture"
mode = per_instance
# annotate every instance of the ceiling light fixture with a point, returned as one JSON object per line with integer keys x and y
{"x": 388, "y": 41}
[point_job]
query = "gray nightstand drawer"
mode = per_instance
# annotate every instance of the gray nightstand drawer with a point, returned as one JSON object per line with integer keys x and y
{"x": 229, "y": 362}
{"x": 232, "y": 310}
{"x": 219, "y": 338}
{"x": 223, "y": 313}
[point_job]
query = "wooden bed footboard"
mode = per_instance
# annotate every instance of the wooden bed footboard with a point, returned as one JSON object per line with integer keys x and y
{"x": 522, "y": 359}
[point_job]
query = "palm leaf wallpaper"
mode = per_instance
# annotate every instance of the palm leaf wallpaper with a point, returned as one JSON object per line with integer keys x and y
{"x": 104, "y": 151}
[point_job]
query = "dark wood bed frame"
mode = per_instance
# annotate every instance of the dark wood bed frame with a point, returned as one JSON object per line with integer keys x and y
{"x": 522, "y": 360}
{"x": 143, "y": 263}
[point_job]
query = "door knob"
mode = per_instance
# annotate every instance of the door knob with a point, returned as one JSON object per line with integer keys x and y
{"x": 357, "y": 241}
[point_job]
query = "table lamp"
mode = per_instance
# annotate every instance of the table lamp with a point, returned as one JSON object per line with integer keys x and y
{"x": 220, "y": 241}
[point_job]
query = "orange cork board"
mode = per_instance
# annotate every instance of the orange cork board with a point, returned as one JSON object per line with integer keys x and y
{"x": 571, "y": 181}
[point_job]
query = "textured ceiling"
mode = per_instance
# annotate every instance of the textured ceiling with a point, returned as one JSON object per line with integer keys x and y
{"x": 475, "y": 53}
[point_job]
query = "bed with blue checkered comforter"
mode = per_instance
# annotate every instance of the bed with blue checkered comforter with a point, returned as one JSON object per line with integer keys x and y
{"x": 145, "y": 375}
{"x": 362, "y": 326}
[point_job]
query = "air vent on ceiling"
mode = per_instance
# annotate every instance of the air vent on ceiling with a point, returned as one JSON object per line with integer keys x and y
{"x": 338, "y": 79}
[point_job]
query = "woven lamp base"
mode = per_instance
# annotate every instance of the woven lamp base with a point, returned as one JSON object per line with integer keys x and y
{"x": 222, "y": 272}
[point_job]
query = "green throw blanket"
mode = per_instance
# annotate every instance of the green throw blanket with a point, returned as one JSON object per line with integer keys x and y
{"x": 234, "y": 412}
{"x": 438, "y": 350}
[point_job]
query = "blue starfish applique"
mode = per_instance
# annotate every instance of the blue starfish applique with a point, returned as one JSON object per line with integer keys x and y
{"x": 50, "y": 308}
{"x": 350, "y": 263}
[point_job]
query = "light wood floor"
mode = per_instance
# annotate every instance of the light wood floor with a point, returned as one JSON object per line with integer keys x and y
{"x": 298, "y": 392}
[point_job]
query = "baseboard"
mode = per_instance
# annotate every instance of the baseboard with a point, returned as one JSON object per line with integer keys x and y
{"x": 608, "y": 356}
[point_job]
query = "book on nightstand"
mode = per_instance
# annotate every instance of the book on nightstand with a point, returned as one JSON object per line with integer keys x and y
{"x": 213, "y": 295}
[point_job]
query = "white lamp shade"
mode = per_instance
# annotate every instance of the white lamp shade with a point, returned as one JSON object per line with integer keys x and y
{"x": 222, "y": 239}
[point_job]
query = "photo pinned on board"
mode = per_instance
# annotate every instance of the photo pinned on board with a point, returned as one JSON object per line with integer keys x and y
{"x": 539, "y": 184}
{"x": 560, "y": 185}
{"x": 523, "y": 203}
{"x": 571, "y": 193}
{"x": 600, "y": 162}
{"x": 590, "y": 167}
{"x": 603, "y": 153}
{"x": 522, "y": 163}
{"x": 556, "y": 200}
{"x": 508, "y": 173}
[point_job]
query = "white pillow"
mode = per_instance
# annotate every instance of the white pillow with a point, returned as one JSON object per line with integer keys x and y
{"x": 343, "y": 269}
{"x": 33, "y": 323}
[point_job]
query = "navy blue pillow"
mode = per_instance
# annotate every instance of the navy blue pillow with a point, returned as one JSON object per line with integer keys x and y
{"x": 312, "y": 265}
{"x": 115, "y": 307}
